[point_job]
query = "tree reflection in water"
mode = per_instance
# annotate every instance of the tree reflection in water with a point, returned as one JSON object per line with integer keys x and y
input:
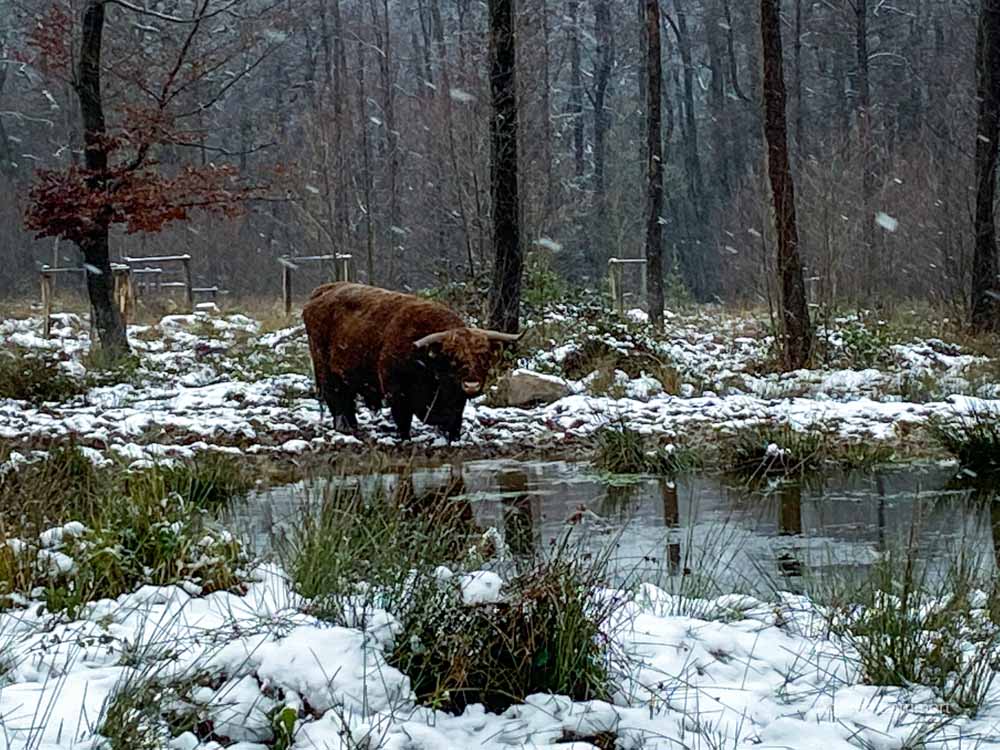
{"x": 518, "y": 514}
{"x": 672, "y": 522}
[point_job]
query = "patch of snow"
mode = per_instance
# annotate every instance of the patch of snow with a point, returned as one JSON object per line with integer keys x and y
{"x": 481, "y": 587}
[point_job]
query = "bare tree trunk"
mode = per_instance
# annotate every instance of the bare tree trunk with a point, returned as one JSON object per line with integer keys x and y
{"x": 602, "y": 77}
{"x": 800, "y": 144}
{"x": 700, "y": 267}
{"x": 550, "y": 182}
{"x": 380, "y": 20}
{"x": 797, "y": 332}
{"x": 367, "y": 179}
{"x": 865, "y": 143}
{"x": 985, "y": 313}
{"x": 6, "y": 154}
{"x": 100, "y": 286}
{"x": 342, "y": 218}
{"x": 449, "y": 117}
{"x": 654, "y": 154}
{"x": 576, "y": 88}
{"x": 505, "y": 291}
{"x": 717, "y": 104}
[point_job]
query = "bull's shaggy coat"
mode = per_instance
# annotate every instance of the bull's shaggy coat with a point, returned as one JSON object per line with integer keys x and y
{"x": 373, "y": 342}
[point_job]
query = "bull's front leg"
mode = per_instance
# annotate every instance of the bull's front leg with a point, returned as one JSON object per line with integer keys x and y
{"x": 402, "y": 415}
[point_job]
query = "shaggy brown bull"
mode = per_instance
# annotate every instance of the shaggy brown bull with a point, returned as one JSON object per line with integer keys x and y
{"x": 414, "y": 353}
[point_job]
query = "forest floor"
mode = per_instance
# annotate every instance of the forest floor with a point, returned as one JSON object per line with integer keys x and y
{"x": 134, "y": 614}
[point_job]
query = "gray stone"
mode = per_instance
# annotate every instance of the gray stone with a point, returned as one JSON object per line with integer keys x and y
{"x": 524, "y": 387}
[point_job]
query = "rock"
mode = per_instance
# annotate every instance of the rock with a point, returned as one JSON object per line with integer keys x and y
{"x": 524, "y": 387}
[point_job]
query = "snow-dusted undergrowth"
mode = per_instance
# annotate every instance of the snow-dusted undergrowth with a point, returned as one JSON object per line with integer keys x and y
{"x": 746, "y": 674}
{"x": 740, "y": 673}
{"x": 217, "y": 381}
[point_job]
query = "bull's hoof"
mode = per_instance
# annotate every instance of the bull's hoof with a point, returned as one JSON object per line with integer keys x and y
{"x": 342, "y": 424}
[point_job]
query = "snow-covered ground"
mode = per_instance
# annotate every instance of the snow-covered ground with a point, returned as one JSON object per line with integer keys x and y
{"x": 217, "y": 381}
{"x": 748, "y": 674}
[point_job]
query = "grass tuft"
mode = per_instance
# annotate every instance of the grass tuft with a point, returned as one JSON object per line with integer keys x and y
{"x": 768, "y": 451}
{"x": 71, "y": 533}
{"x": 974, "y": 440}
{"x": 36, "y": 378}
{"x": 375, "y": 538}
{"x": 362, "y": 551}
{"x": 911, "y": 627}
{"x": 544, "y": 635}
{"x": 621, "y": 450}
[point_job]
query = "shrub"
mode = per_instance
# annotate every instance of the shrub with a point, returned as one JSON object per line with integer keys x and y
{"x": 854, "y": 342}
{"x": 544, "y": 635}
{"x": 36, "y": 378}
{"x": 974, "y": 440}
{"x": 542, "y": 285}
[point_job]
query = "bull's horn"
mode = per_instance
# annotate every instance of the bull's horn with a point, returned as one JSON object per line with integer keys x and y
{"x": 431, "y": 338}
{"x": 498, "y": 336}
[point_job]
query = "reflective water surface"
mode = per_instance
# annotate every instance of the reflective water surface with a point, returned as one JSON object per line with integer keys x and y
{"x": 704, "y": 525}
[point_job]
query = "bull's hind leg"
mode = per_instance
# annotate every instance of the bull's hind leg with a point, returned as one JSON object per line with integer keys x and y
{"x": 340, "y": 399}
{"x": 402, "y": 415}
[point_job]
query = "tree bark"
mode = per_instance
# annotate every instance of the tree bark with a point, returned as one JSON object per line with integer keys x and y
{"x": 107, "y": 320}
{"x": 865, "y": 147}
{"x": 797, "y": 332}
{"x": 6, "y": 155}
{"x": 505, "y": 291}
{"x": 654, "y": 152}
{"x": 602, "y": 76}
{"x": 342, "y": 221}
{"x": 576, "y": 88}
{"x": 717, "y": 105}
{"x": 800, "y": 145}
{"x": 700, "y": 266}
{"x": 449, "y": 118}
{"x": 985, "y": 313}
{"x": 367, "y": 178}
{"x": 383, "y": 30}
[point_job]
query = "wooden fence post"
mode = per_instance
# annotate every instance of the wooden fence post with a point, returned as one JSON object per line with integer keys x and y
{"x": 46, "y": 278}
{"x": 286, "y": 289}
{"x": 188, "y": 285}
{"x": 123, "y": 292}
{"x": 615, "y": 281}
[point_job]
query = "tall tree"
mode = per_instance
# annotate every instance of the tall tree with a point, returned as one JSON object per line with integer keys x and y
{"x": 94, "y": 242}
{"x": 121, "y": 181}
{"x": 985, "y": 314}
{"x": 654, "y": 166}
{"x": 864, "y": 104}
{"x": 604, "y": 53}
{"x": 575, "y": 88}
{"x": 796, "y": 328}
{"x": 505, "y": 291}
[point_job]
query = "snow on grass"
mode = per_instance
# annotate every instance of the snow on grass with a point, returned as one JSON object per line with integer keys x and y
{"x": 211, "y": 380}
{"x": 758, "y": 673}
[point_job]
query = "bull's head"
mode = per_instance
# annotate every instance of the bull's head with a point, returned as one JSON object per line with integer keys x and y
{"x": 467, "y": 354}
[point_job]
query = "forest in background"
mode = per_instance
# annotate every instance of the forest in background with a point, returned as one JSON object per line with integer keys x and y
{"x": 376, "y": 115}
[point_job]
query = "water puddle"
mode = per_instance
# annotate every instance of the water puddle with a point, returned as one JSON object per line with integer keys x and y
{"x": 700, "y": 525}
